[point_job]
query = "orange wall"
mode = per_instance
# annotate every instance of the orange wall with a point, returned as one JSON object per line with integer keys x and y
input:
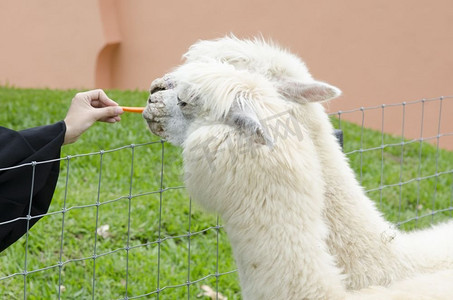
{"x": 49, "y": 43}
{"x": 375, "y": 51}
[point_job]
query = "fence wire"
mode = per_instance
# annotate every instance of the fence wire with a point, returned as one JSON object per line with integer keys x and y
{"x": 415, "y": 186}
{"x": 110, "y": 238}
{"x": 18, "y": 280}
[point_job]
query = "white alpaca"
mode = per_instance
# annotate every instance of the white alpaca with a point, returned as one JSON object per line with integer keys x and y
{"x": 269, "y": 189}
{"x": 367, "y": 248}
{"x": 234, "y": 168}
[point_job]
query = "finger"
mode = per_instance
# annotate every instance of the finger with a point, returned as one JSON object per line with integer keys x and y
{"x": 108, "y": 112}
{"x": 104, "y": 99}
{"x": 111, "y": 120}
{"x": 98, "y": 104}
{"x": 98, "y": 98}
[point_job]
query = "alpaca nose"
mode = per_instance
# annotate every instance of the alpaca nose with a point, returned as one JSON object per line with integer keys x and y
{"x": 154, "y": 99}
{"x": 157, "y": 89}
{"x": 153, "y": 91}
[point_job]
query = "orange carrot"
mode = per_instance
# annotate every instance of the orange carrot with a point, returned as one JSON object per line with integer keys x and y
{"x": 133, "y": 109}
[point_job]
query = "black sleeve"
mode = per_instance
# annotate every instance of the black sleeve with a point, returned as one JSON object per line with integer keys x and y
{"x": 29, "y": 187}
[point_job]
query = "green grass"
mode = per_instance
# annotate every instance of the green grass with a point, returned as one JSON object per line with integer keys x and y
{"x": 150, "y": 216}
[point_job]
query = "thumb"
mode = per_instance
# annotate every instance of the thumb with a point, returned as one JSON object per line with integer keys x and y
{"x": 108, "y": 114}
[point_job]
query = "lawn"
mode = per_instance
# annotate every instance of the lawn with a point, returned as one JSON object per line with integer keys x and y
{"x": 158, "y": 242}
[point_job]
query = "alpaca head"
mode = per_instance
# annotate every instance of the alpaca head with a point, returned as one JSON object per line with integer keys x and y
{"x": 198, "y": 94}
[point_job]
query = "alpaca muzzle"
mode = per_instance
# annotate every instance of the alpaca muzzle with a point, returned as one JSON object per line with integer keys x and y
{"x": 154, "y": 113}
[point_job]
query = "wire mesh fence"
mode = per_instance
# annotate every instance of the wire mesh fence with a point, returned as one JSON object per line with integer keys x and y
{"x": 408, "y": 174}
{"x": 121, "y": 225}
{"x": 111, "y": 240}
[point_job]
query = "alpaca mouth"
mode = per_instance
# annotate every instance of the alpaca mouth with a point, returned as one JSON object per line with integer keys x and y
{"x": 153, "y": 112}
{"x": 155, "y": 127}
{"x": 151, "y": 116}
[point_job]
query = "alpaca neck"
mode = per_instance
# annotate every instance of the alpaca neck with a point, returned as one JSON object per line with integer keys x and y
{"x": 282, "y": 255}
{"x": 344, "y": 194}
{"x": 278, "y": 233}
{"x": 365, "y": 244}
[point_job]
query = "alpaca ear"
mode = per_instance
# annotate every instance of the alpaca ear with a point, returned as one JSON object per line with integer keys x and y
{"x": 316, "y": 91}
{"x": 245, "y": 119}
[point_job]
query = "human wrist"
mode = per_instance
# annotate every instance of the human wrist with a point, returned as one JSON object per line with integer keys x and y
{"x": 69, "y": 136}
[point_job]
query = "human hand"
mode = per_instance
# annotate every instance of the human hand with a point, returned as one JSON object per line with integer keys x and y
{"x": 87, "y": 108}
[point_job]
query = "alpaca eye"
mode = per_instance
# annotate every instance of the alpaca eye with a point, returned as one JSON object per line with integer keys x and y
{"x": 180, "y": 102}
